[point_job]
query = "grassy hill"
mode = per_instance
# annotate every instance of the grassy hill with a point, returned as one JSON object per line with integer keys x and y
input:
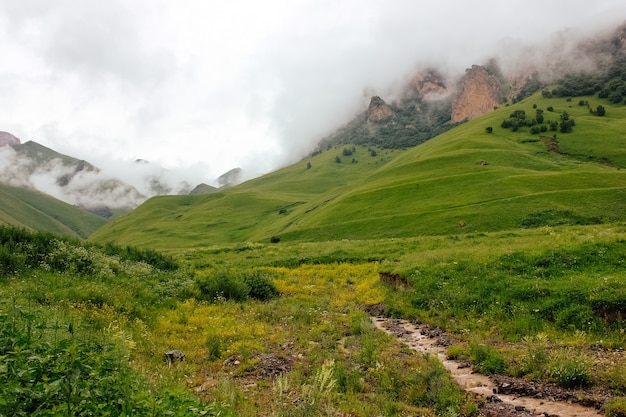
{"x": 463, "y": 181}
{"x": 37, "y": 211}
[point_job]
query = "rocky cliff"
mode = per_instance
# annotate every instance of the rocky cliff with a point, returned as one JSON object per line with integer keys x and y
{"x": 379, "y": 111}
{"x": 480, "y": 91}
{"x": 427, "y": 84}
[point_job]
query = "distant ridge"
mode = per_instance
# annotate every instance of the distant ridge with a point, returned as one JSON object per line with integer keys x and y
{"x": 8, "y": 139}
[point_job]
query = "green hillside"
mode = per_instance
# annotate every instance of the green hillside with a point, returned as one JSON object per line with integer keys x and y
{"x": 37, "y": 211}
{"x": 42, "y": 154}
{"x": 463, "y": 181}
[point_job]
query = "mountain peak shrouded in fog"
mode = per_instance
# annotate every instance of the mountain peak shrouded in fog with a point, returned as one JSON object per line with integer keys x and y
{"x": 146, "y": 79}
{"x": 8, "y": 139}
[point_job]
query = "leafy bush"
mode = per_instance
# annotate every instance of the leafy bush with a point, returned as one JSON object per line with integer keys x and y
{"x": 57, "y": 369}
{"x": 260, "y": 285}
{"x": 222, "y": 285}
{"x": 214, "y": 347}
{"x": 455, "y": 352}
{"x": 22, "y": 250}
{"x": 236, "y": 286}
{"x": 486, "y": 360}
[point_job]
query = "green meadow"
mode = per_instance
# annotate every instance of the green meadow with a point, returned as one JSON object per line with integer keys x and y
{"x": 513, "y": 242}
{"x": 38, "y": 211}
{"x": 463, "y": 181}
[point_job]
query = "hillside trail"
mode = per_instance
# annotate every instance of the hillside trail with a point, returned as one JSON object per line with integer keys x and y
{"x": 501, "y": 404}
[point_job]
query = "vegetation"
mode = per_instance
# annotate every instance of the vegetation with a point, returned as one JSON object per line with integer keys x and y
{"x": 510, "y": 239}
{"x": 499, "y": 180}
{"x": 37, "y": 211}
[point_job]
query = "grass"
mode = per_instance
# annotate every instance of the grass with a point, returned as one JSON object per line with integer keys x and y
{"x": 515, "y": 250}
{"x": 464, "y": 181}
{"x": 38, "y": 211}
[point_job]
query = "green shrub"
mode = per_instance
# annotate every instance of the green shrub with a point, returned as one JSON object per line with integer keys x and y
{"x": 570, "y": 370}
{"x": 64, "y": 369}
{"x": 360, "y": 323}
{"x": 615, "y": 407}
{"x": 349, "y": 381}
{"x": 486, "y": 360}
{"x": 214, "y": 347}
{"x": 260, "y": 285}
{"x": 222, "y": 285}
{"x": 455, "y": 352}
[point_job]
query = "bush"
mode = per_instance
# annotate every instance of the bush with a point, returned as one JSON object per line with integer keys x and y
{"x": 222, "y": 285}
{"x": 455, "y": 352}
{"x": 486, "y": 360}
{"x": 260, "y": 286}
{"x": 229, "y": 285}
{"x": 570, "y": 370}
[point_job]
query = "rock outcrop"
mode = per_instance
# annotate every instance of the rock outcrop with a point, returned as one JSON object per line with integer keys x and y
{"x": 232, "y": 177}
{"x": 480, "y": 91}
{"x": 8, "y": 139}
{"x": 379, "y": 111}
{"x": 427, "y": 84}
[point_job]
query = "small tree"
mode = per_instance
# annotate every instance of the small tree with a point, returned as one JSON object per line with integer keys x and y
{"x": 337, "y": 159}
{"x": 308, "y": 165}
{"x": 489, "y": 129}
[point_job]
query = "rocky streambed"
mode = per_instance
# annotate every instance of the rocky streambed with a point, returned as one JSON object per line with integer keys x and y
{"x": 504, "y": 396}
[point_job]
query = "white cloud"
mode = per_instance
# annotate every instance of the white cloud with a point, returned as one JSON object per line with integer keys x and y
{"x": 219, "y": 84}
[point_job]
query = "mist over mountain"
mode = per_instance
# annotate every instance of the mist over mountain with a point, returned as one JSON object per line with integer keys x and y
{"x": 77, "y": 182}
{"x": 433, "y": 101}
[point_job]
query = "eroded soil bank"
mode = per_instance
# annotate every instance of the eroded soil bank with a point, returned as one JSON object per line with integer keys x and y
{"x": 504, "y": 396}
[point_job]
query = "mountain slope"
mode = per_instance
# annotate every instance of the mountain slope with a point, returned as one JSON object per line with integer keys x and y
{"x": 34, "y": 210}
{"x": 463, "y": 181}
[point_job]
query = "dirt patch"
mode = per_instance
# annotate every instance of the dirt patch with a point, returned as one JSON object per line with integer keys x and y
{"x": 271, "y": 365}
{"x": 395, "y": 280}
{"x": 551, "y": 144}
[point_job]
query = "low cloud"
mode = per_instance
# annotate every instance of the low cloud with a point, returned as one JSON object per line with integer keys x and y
{"x": 255, "y": 85}
{"x": 90, "y": 188}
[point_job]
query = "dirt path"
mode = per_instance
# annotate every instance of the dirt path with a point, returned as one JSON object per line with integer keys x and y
{"x": 497, "y": 404}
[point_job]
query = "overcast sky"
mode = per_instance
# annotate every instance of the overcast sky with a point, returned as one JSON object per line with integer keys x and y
{"x": 208, "y": 85}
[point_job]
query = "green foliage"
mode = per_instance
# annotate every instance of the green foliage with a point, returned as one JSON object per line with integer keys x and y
{"x": 570, "y": 370}
{"x": 22, "y": 250}
{"x": 214, "y": 347}
{"x": 456, "y": 352}
{"x": 536, "y": 358}
{"x": 236, "y": 285}
{"x": 260, "y": 285}
{"x": 615, "y": 407}
{"x": 34, "y": 210}
{"x": 486, "y": 359}
{"x": 59, "y": 369}
{"x": 222, "y": 285}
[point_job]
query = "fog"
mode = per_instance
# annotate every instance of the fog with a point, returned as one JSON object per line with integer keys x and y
{"x": 199, "y": 88}
{"x": 90, "y": 188}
